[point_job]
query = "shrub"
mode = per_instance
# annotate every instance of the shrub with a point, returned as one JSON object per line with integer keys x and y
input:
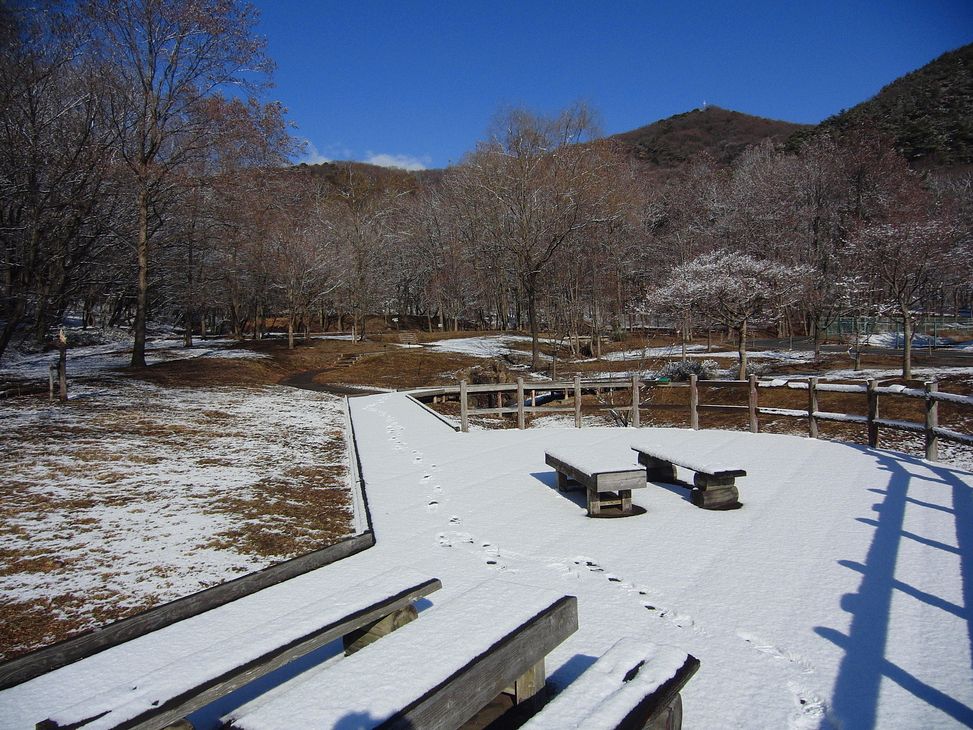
{"x": 679, "y": 370}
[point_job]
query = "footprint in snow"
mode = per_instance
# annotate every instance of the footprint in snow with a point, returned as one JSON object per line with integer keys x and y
{"x": 455, "y": 520}
{"x": 765, "y": 647}
{"x": 432, "y": 506}
{"x": 810, "y": 712}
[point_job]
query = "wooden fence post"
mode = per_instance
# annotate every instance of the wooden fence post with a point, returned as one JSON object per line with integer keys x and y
{"x": 752, "y": 403}
{"x": 577, "y": 401}
{"x": 520, "y": 403}
{"x": 464, "y": 416}
{"x": 812, "y": 407}
{"x": 693, "y": 403}
{"x": 635, "y": 401}
{"x": 932, "y": 422}
{"x": 872, "y": 413}
{"x": 50, "y": 383}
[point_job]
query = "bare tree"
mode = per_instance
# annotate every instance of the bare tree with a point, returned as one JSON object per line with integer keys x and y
{"x": 55, "y": 188}
{"x": 163, "y": 61}
{"x": 909, "y": 258}
{"x": 540, "y": 181}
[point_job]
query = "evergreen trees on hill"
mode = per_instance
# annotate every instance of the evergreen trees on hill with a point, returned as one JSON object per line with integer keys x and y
{"x": 927, "y": 113}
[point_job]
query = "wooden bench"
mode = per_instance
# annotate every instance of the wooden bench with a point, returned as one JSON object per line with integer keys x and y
{"x": 437, "y": 672}
{"x": 162, "y": 697}
{"x": 609, "y": 483}
{"x": 714, "y": 486}
{"x": 635, "y": 684}
{"x": 408, "y": 338}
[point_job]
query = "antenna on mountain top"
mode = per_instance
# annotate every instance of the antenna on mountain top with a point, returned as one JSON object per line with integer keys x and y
{"x": 704, "y": 105}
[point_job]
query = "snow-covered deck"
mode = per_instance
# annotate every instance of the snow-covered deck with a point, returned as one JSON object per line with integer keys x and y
{"x": 840, "y": 595}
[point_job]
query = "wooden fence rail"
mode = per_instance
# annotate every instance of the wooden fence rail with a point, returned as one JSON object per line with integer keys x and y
{"x": 521, "y": 398}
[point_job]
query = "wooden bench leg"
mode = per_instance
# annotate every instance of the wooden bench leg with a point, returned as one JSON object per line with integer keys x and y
{"x": 562, "y": 482}
{"x": 594, "y": 502}
{"x": 668, "y": 719}
{"x": 714, "y": 492}
{"x": 657, "y": 470}
{"x": 530, "y": 683}
{"x": 625, "y": 495}
{"x": 366, "y": 635}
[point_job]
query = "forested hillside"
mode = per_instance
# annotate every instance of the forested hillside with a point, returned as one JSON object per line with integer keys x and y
{"x": 928, "y": 113}
{"x": 720, "y": 133}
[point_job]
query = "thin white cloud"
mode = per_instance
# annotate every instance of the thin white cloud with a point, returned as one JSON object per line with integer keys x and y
{"x": 312, "y": 156}
{"x": 406, "y": 162}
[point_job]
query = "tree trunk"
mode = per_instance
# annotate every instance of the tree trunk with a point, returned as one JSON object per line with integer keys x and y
{"x": 535, "y": 354}
{"x": 742, "y": 350}
{"x": 907, "y": 343}
{"x": 818, "y": 337}
{"x": 141, "y": 302}
{"x": 290, "y": 331}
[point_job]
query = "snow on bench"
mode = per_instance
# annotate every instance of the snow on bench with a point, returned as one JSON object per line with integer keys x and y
{"x": 163, "y": 696}
{"x": 633, "y": 684}
{"x": 609, "y": 481}
{"x": 435, "y": 672}
{"x": 714, "y": 484}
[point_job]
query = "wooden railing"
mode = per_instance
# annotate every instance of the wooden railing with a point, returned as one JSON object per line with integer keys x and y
{"x": 521, "y": 398}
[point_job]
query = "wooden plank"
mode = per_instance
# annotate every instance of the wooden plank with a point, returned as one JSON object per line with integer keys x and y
{"x": 950, "y": 435}
{"x": 720, "y": 407}
{"x": 171, "y": 709}
{"x": 613, "y": 481}
{"x": 430, "y": 411}
{"x": 571, "y": 472}
{"x": 49, "y": 658}
{"x": 635, "y": 400}
{"x": 468, "y": 690}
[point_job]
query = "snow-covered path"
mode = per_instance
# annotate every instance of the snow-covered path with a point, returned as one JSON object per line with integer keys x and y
{"x": 840, "y": 595}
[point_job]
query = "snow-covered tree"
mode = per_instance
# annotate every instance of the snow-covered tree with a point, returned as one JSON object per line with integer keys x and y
{"x": 731, "y": 289}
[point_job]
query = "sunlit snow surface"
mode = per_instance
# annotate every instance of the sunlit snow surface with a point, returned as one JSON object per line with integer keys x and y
{"x": 838, "y": 596}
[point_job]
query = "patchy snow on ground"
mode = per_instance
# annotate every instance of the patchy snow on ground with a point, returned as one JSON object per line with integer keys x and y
{"x": 130, "y": 494}
{"x": 485, "y": 346}
{"x": 838, "y": 596}
{"x": 896, "y": 340}
{"x": 93, "y": 359}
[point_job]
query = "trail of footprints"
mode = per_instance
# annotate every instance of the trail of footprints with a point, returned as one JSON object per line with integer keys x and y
{"x": 809, "y": 707}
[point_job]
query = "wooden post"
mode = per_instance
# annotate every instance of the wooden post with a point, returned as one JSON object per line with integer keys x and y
{"x": 464, "y": 406}
{"x": 752, "y": 402}
{"x": 932, "y": 422}
{"x": 812, "y": 407}
{"x": 62, "y": 374}
{"x": 520, "y": 403}
{"x": 872, "y": 413}
{"x": 50, "y": 385}
{"x": 635, "y": 401}
{"x": 577, "y": 401}
{"x": 693, "y": 403}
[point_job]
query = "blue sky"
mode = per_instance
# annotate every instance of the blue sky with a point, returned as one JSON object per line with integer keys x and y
{"x": 417, "y": 83}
